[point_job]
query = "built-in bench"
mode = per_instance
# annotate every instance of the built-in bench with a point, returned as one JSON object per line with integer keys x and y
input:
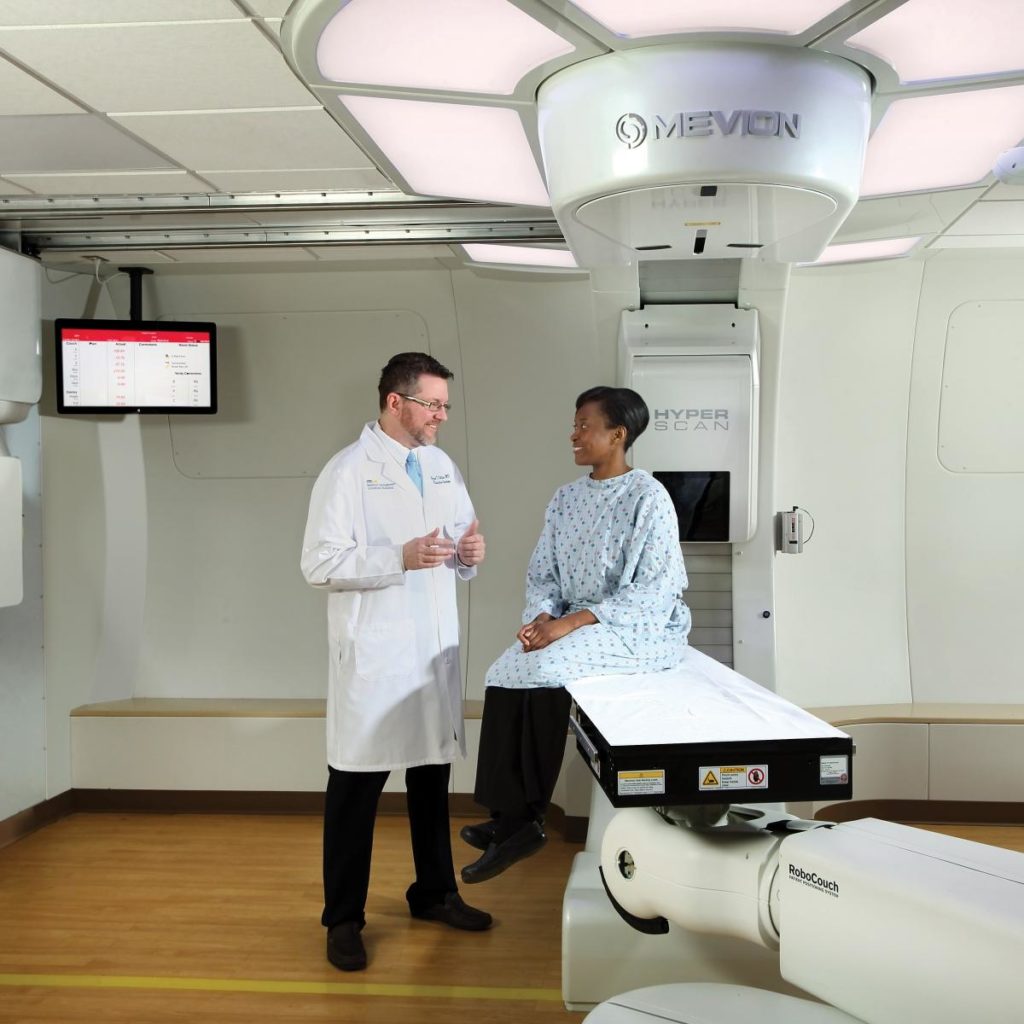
{"x": 263, "y": 745}
{"x": 933, "y": 761}
{"x": 941, "y": 761}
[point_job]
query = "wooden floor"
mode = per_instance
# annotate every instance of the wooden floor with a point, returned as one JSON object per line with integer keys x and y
{"x": 213, "y": 919}
{"x": 208, "y": 918}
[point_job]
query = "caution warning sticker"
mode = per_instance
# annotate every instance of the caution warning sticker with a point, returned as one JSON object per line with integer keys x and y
{"x": 641, "y": 783}
{"x": 732, "y": 776}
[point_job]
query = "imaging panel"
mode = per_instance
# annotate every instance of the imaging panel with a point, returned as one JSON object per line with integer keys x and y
{"x": 697, "y": 369}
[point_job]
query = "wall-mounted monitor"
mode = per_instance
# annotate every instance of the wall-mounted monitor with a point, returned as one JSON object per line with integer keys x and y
{"x": 118, "y": 366}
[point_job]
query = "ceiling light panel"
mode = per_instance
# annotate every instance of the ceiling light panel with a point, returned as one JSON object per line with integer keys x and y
{"x": 448, "y": 149}
{"x": 478, "y": 46}
{"x": 880, "y": 249}
{"x": 937, "y": 39}
{"x": 520, "y": 255}
{"x": 942, "y": 141}
{"x": 663, "y": 17}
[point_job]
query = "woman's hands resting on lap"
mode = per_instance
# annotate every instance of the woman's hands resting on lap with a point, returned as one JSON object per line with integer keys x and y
{"x": 545, "y": 629}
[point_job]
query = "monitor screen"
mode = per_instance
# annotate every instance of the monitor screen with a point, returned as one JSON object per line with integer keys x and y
{"x": 702, "y": 503}
{"x": 122, "y": 366}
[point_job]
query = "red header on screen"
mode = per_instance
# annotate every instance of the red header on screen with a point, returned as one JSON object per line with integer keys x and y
{"x": 171, "y": 337}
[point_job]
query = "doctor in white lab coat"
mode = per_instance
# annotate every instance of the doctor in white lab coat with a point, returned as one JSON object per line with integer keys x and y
{"x": 390, "y": 529}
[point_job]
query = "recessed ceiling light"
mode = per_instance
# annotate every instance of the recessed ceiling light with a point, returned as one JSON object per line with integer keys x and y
{"x": 662, "y": 17}
{"x": 879, "y": 249}
{"x": 527, "y": 255}
{"x": 934, "y": 39}
{"x": 483, "y": 46}
{"x": 452, "y": 149}
{"x": 942, "y": 141}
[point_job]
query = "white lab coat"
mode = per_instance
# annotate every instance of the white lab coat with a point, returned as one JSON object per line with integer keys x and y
{"x": 394, "y": 697}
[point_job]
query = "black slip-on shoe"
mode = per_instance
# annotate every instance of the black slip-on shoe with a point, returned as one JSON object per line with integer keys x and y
{"x": 345, "y": 947}
{"x": 479, "y": 836}
{"x": 499, "y": 856}
{"x": 455, "y": 913}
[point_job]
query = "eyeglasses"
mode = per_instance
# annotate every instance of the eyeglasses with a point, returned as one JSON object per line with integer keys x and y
{"x": 434, "y": 405}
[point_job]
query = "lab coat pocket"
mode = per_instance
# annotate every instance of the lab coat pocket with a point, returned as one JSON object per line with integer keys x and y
{"x": 386, "y": 649}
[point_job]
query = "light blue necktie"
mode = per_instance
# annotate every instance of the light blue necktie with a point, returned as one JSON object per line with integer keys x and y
{"x": 412, "y": 467}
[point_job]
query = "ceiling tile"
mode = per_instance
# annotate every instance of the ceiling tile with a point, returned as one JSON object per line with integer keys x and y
{"x": 20, "y": 93}
{"x": 8, "y": 188}
{"x": 1006, "y": 218}
{"x": 268, "y": 8}
{"x": 69, "y": 142}
{"x": 191, "y": 66}
{"x": 109, "y": 259}
{"x": 979, "y": 242}
{"x": 91, "y": 12}
{"x": 264, "y": 254}
{"x": 255, "y": 140}
{"x": 132, "y": 183}
{"x": 380, "y": 253}
{"x": 917, "y": 214}
{"x": 1001, "y": 191}
{"x": 331, "y": 179}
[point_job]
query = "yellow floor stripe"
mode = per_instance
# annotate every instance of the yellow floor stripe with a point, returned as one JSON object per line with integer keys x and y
{"x": 324, "y": 988}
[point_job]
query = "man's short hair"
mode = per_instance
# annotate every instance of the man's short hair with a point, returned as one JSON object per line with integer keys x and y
{"x": 403, "y": 372}
{"x": 622, "y": 407}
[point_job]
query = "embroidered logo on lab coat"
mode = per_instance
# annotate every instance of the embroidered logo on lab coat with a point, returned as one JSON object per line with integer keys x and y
{"x": 440, "y": 478}
{"x": 377, "y": 484}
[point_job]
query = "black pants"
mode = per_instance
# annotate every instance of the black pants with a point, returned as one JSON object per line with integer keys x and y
{"x": 522, "y": 741}
{"x": 349, "y": 814}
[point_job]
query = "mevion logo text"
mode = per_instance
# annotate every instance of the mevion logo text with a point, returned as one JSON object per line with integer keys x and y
{"x": 635, "y": 129}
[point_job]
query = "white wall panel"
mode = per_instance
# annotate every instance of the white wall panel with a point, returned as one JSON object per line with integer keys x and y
{"x": 22, "y": 693}
{"x": 227, "y": 611}
{"x": 529, "y": 347}
{"x": 977, "y": 762}
{"x": 273, "y": 754}
{"x": 891, "y": 762}
{"x": 965, "y": 545}
{"x": 981, "y": 426}
{"x": 76, "y": 527}
{"x": 840, "y": 606}
{"x": 293, "y": 388}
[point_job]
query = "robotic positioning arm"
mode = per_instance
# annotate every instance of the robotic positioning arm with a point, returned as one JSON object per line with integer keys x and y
{"x": 888, "y": 923}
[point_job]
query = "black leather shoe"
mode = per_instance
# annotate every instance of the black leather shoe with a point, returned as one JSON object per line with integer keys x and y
{"x": 456, "y": 914}
{"x": 499, "y": 856}
{"x": 479, "y": 836}
{"x": 345, "y": 948}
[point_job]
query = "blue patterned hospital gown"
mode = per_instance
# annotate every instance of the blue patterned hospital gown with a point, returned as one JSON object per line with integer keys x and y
{"x": 611, "y": 546}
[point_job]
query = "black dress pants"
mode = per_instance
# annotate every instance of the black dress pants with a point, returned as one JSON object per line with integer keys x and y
{"x": 349, "y": 814}
{"x": 522, "y": 741}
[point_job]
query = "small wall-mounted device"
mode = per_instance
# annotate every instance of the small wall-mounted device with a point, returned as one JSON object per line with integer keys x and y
{"x": 789, "y": 532}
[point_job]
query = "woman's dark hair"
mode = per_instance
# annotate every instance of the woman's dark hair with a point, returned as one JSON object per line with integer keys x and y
{"x": 621, "y": 407}
{"x": 404, "y": 371}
